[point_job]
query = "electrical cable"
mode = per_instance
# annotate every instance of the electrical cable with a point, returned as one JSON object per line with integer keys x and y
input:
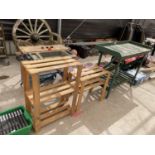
{"x": 75, "y": 29}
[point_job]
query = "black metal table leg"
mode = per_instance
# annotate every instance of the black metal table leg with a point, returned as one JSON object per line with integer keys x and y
{"x": 100, "y": 58}
{"x": 116, "y": 72}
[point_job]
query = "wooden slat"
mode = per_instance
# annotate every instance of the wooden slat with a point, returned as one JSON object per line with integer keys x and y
{"x": 55, "y": 117}
{"x": 92, "y": 81}
{"x": 93, "y": 76}
{"x": 49, "y": 97}
{"x": 93, "y": 85}
{"x": 89, "y": 71}
{"x": 92, "y": 68}
{"x": 51, "y": 107}
{"x": 35, "y": 66}
{"x": 53, "y": 112}
{"x": 33, "y": 71}
{"x": 46, "y": 60}
{"x": 50, "y": 86}
{"x": 52, "y": 91}
{"x": 97, "y": 70}
{"x": 43, "y": 48}
{"x": 56, "y": 95}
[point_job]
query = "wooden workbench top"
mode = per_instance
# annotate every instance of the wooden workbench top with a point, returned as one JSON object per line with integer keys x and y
{"x": 43, "y": 48}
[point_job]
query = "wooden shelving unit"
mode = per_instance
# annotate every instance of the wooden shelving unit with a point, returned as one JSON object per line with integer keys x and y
{"x": 91, "y": 78}
{"x": 37, "y": 98}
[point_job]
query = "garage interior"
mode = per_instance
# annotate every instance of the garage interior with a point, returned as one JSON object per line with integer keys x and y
{"x": 127, "y": 108}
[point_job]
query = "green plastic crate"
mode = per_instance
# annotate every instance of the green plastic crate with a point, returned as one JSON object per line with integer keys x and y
{"x": 23, "y": 131}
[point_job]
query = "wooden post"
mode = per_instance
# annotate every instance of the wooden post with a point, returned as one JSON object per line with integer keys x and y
{"x": 36, "y": 101}
{"x": 65, "y": 77}
{"x": 103, "y": 90}
{"x": 75, "y": 94}
{"x": 26, "y": 84}
{"x": 65, "y": 73}
{"x": 80, "y": 97}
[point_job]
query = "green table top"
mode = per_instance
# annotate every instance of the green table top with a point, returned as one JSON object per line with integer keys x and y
{"x": 124, "y": 49}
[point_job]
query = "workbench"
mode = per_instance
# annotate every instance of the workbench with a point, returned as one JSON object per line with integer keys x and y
{"x": 120, "y": 51}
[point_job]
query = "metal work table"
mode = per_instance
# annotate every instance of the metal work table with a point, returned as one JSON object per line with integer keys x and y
{"x": 122, "y": 50}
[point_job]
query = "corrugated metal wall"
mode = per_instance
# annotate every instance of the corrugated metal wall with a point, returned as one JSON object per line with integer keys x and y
{"x": 91, "y": 28}
{"x": 148, "y": 25}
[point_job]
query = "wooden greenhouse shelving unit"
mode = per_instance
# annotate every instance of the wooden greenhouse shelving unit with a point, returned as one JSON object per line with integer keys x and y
{"x": 92, "y": 78}
{"x": 36, "y": 96}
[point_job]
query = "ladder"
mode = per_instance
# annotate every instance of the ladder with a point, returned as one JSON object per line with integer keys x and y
{"x": 3, "y": 51}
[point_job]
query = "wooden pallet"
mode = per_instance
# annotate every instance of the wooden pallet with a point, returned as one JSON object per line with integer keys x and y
{"x": 36, "y": 97}
{"x": 91, "y": 78}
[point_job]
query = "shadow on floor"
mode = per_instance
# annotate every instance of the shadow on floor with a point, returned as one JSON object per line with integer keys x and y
{"x": 95, "y": 117}
{"x": 11, "y": 93}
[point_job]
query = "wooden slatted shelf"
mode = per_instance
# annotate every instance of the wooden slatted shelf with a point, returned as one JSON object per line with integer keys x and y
{"x": 39, "y": 100}
{"x": 38, "y": 66}
{"x": 55, "y": 117}
{"x": 47, "y": 94}
{"x": 91, "y": 78}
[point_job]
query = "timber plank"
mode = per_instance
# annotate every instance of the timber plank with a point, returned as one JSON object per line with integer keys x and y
{"x": 55, "y": 117}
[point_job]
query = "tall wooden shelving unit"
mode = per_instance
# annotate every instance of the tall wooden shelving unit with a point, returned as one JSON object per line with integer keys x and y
{"x": 36, "y": 96}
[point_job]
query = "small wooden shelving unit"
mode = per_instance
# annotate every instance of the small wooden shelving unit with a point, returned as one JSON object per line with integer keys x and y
{"x": 37, "y": 97}
{"x": 91, "y": 78}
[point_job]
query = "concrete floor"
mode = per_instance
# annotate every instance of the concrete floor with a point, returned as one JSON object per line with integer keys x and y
{"x": 126, "y": 111}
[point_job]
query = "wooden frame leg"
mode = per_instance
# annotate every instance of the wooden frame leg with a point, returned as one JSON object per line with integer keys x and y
{"x": 90, "y": 90}
{"x": 75, "y": 94}
{"x": 103, "y": 90}
{"x": 80, "y": 98}
{"x": 26, "y": 84}
{"x": 65, "y": 77}
{"x": 36, "y": 101}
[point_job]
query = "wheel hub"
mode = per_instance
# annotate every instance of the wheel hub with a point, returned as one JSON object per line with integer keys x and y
{"x": 35, "y": 37}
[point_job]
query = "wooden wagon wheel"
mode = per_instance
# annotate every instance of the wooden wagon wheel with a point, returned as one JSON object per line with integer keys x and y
{"x": 33, "y": 32}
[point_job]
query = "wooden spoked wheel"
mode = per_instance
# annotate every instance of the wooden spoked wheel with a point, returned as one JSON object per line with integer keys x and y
{"x": 34, "y": 32}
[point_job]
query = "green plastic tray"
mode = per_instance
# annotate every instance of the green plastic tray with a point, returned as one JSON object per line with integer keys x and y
{"x": 23, "y": 131}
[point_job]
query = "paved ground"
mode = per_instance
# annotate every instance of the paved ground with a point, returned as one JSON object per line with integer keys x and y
{"x": 126, "y": 111}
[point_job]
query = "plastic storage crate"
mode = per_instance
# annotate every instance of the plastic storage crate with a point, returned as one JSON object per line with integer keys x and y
{"x": 26, "y": 129}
